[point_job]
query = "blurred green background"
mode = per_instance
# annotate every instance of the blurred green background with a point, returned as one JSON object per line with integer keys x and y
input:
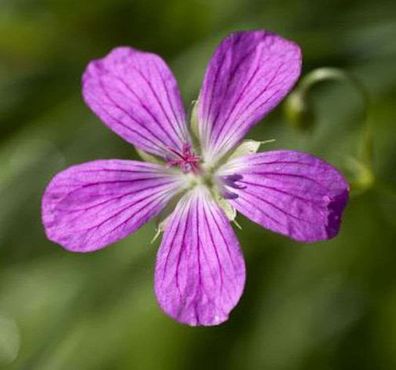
{"x": 326, "y": 306}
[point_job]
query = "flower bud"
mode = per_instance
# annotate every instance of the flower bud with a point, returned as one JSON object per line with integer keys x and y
{"x": 298, "y": 112}
{"x": 361, "y": 176}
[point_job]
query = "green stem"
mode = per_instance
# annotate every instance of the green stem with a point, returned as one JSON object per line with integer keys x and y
{"x": 300, "y": 114}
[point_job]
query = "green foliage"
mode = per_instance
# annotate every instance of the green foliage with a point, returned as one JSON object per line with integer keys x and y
{"x": 330, "y": 305}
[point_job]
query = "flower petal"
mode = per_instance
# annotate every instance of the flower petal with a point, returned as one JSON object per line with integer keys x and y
{"x": 200, "y": 270}
{"x": 136, "y": 95}
{"x": 91, "y": 205}
{"x": 248, "y": 75}
{"x": 288, "y": 192}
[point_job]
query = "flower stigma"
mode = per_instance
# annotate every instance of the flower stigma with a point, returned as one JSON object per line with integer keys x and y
{"x": 186, "y": 160}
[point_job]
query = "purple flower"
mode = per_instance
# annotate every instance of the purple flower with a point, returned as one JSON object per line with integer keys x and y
{"x": 200, "y": 270}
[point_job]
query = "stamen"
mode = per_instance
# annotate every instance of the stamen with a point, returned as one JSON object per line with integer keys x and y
{"x": 230, "y": 181}
{"x": 187, "y": 160}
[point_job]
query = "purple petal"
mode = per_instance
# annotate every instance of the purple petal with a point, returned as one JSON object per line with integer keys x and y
{"x": 288, "y": 192}
{"x": 136, "y": 95}
{"x": 89, "y": 206}
{"x": 249, "y": 74}
{"x": 200, "y": 271}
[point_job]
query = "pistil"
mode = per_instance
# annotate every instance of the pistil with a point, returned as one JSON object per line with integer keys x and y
{"x": 187, "y": 160}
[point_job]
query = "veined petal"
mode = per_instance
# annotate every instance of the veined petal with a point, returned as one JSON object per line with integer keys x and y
{"x": 136, "y": 95}
{"x": 248, "y": 75}
{"x": 288, "y": 192}
{"x": 200, "y": 270}
{"x": 91, "y": 205}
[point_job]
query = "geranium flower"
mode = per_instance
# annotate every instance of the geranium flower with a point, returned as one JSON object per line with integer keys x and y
{"x": 200, "y": 270}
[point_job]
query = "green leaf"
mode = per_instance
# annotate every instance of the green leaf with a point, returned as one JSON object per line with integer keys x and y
{"x": 148, "y": 157}
{"x": 247, "y": 147}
